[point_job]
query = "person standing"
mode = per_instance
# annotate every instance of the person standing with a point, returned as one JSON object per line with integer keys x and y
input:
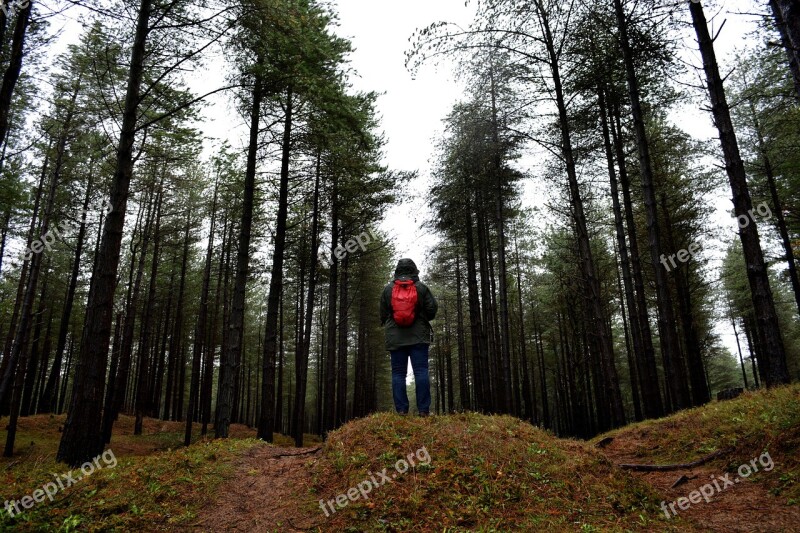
{"x": 407, "y": 307}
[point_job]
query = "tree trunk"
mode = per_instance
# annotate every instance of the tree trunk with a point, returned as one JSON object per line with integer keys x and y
{"x": 33, "y": 359}
{"x": 118, "y": 393}
{"x": 278, "y": 421}
{"x": 787, "y": 21}
{"x": 200, "y": 327}
{"x": 463, "y": 371}
{"x": 636, "y": 334}
{"x": 666, "y": 315}
{"x": 739, "y": 349}
{"x": 267, "y": 420}
{"x": 329, "y": 393}
{"x": 480, "y": 361}
{"x": 12, "y": 72}
{"x": 596, "y": 308}
{"x": 142, "y": 391}
{"x": 489, "y": 329}
{"x": 343, "y": 324}
{"x": 542, "y": 373}
{"x": 14, "y": 375}
{"x": 694, "y": 355}
{"x": 63, "y": 393}
{"x": 47, "y": 402}
{"x": 757, "y": 274}
{"x": 527, "y": 392}
{"x": 301, "y": 356}
{"x": 505, "y": 332}
{"x": 232, "y": 350}
{"x": 18, "y": 356}
{"x": 82, "y": 438}
{"x": 777, "y": 206}
{"x": 361, "y": 371}
{"x": 212, "y": 342}
{"x": 648, "y": 369}
{"x": 632, "y": 368}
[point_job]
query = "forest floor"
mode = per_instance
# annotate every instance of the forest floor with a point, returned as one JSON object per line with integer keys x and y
{"x": 268, "y": 493}
{"x": 743, "y": 506}
{"x": 470, "y": 472}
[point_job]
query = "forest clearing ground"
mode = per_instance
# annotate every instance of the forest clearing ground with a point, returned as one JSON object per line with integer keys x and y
{"x": 268, "y": 492}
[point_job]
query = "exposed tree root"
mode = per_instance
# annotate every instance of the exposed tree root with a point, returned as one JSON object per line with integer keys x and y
{"x": 681, "y": 466}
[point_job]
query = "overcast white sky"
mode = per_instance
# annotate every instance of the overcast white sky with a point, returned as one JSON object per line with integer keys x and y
{"x": 411, "y": 109}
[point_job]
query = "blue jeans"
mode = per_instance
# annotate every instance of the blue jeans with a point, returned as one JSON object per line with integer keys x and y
{"x": 419, "y": 363}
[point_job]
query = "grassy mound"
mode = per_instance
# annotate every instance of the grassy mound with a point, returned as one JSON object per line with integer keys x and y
{"x": 155, "y": 484}
{"x": 486, "y": 473}
{"x": 754, "y": 423}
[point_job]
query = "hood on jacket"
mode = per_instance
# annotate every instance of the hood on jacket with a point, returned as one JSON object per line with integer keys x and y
{"x": 406, "y": 268}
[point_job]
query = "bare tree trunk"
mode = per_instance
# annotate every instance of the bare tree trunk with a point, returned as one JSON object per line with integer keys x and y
{"x": 33, "y": 358}
{"x": 278, "y": 421}
{"x": 156, "y": 399}
{"x": 232, "y": 349}
{"x": 787, "y": 20}
{"x": 489, "y": 329}
{"x": 666, "y": 315}
{"x": 648, "y": 370}
{"x": 267, "y": 420}
{"x": 694, "y": 354}
{"x": 505, "y": 331}
{"x": 741, "y": 359}
{"x": 777, "y": 206}
{"x": 9, "y": 364}
{"x": 47, "y": 401}
{"x": 200, "y": 327}
{"x": 361, "y": 372}
{"x": 632, "y": 367}
{"x": 301, "y": 356}
{"x": 343, "y": 324}
{"x": 463, "y": 383}
{"x": 480, "y": 361}
{"x": 212, "y": 342}
{"x": 636, "y": 334}
{"x": 12, "y": 72}
{"x": 757, "y": 274}
{"x": 18, "y": 356}
{"x": 527, "y": 392}
{"x": 142, "y": 390}
{"x": 67, "y": 369}
{"x": 118, "y": 393}
{"x": 615, "y": 413}
{"x": 82, "y": 438}
{"x": 546, "y": 422}
{"x": 329, "y": 393}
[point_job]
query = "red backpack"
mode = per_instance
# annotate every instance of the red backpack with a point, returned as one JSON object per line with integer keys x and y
{"x": 404, "y": 302}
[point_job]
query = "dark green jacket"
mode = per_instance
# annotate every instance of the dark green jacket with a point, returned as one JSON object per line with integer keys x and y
{"x": 420, "y": 331}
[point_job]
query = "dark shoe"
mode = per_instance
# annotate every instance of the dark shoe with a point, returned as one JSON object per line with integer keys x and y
{"x": 424, "y": 414}
{"x": 402, "y": 414}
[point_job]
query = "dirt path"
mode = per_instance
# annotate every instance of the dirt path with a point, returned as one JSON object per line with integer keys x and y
{"x": 742, "y": 505}
{"x": 268, "y": 493}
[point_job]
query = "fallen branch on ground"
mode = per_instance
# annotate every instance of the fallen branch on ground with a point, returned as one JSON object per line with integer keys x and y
{"x": 682, "y": 466}
{"x": 312, "y": 450}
